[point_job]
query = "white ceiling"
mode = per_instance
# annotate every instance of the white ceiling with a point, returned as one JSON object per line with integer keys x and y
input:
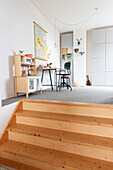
{"x": 74, "y": 11}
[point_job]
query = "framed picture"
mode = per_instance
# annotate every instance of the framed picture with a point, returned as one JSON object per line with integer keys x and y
{"x": 40, "y": 36}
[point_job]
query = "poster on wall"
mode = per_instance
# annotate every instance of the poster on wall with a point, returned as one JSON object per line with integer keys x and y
{"x": 40, "y": 36}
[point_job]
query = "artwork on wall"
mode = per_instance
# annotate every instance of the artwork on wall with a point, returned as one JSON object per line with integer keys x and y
{"x": 40, "y": 36}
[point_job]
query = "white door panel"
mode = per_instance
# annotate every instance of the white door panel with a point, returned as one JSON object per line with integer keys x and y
{"x": 98, "y": 51}
{"x": 98, "y": 65}
{"x": 109, "y": 78}
{"x": 98, "y": 79}
{"x": 109, "y": 50}
{"x": 109, "y": 64}
{"x": 98, "y": 36}
{"x": 109, "y": 35}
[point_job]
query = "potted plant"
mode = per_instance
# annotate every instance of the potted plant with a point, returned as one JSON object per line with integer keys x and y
{"x": 79, "y": 40}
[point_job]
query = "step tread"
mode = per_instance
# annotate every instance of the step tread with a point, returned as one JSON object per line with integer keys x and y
{"x": 39, "y": 153}
{"x": 67, "y": 117}
{"x": 62, "y": 135}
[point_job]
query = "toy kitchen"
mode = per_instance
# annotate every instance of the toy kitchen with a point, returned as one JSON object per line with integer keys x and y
{"x": 26, "y": 80}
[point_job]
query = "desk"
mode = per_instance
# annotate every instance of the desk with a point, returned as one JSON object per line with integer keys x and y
{"x": 48, "y": 69}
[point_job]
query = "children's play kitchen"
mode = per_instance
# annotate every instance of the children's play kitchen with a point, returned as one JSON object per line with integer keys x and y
{"x": 26, "y": 80}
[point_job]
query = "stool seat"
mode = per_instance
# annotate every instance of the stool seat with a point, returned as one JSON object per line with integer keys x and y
{"x": 66, "y": 77}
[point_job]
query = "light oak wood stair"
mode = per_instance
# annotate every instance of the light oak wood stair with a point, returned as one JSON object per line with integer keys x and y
{"x": 58, "y": 135}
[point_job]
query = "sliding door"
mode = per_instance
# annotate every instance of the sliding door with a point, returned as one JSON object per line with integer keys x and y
{"x": 98, "y": 57}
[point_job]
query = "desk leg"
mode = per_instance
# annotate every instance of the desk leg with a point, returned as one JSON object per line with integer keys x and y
{"x": 56, "y": 82}
{"x": 50, "y": 79}
{"x": 42, "y": 76}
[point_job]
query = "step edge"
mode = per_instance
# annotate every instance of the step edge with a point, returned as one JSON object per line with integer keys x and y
{"x": 71, "y": 114}
{"x": 40, "y": 160}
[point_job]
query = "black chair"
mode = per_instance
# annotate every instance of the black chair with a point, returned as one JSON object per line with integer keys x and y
{"x": 65, "y": 76}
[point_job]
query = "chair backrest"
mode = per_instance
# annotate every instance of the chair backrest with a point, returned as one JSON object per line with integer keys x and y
{"x": 67, "y": 66}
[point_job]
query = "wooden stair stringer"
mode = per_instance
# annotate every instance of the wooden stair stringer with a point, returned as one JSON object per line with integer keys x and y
{"x": 12, "y": 120}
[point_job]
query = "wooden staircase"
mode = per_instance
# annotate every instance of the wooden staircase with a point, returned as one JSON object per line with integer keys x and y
{"x": 58, "y": 135}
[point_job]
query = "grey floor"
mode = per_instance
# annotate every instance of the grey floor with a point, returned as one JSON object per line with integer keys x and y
{"x": 101, "y": 95}
{"x": 3, "y": 167}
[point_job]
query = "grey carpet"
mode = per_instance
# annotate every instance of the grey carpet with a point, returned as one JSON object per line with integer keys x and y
{"x": 101, "y": 95}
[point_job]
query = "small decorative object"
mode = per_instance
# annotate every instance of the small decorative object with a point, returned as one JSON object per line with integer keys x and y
{"x": 64, "y": 50}
{"x": 49, "y": 65}
{"x": 75, "y": 85}
{"x": 21, "y": 52}
{"x": 24, "y": 72}
{"x": 81, "y": 52}
{"x": 67, "y": 56}
{"x": 88, "y": 83}
{"x": 40, "y": 67}
{"x": 70, "y": 50}
{"x": 79, "y": 40}
{"x": 31, "y": 87}
{"x": 76, "y": 50}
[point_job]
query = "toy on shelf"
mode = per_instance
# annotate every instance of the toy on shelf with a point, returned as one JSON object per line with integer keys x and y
{"x": 29, "y": 55}
{"x": 24, "y": 72}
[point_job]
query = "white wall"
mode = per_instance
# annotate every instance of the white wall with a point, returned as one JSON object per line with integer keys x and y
{"x": 17, "y": 32}
{"x": 80, "y": 60}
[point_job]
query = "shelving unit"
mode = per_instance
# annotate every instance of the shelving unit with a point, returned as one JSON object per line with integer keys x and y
{"x": 26, "y": 83}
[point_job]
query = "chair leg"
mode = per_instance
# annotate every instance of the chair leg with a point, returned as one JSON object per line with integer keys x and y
{"x": 67, "y": 84}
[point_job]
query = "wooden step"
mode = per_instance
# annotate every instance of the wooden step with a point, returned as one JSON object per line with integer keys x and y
{"x": 62, "y": 135}
{"x": 96, "y": 152}
{"x": 57, "y": 135}
{"x": 44, "y": 158}
{"x": 16, "y": 165}
{"x": 34, "y": 156}
{"x": 67, "y": 107}
{"x": 77, "y": 127}
{"x": 84, "y": 117}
